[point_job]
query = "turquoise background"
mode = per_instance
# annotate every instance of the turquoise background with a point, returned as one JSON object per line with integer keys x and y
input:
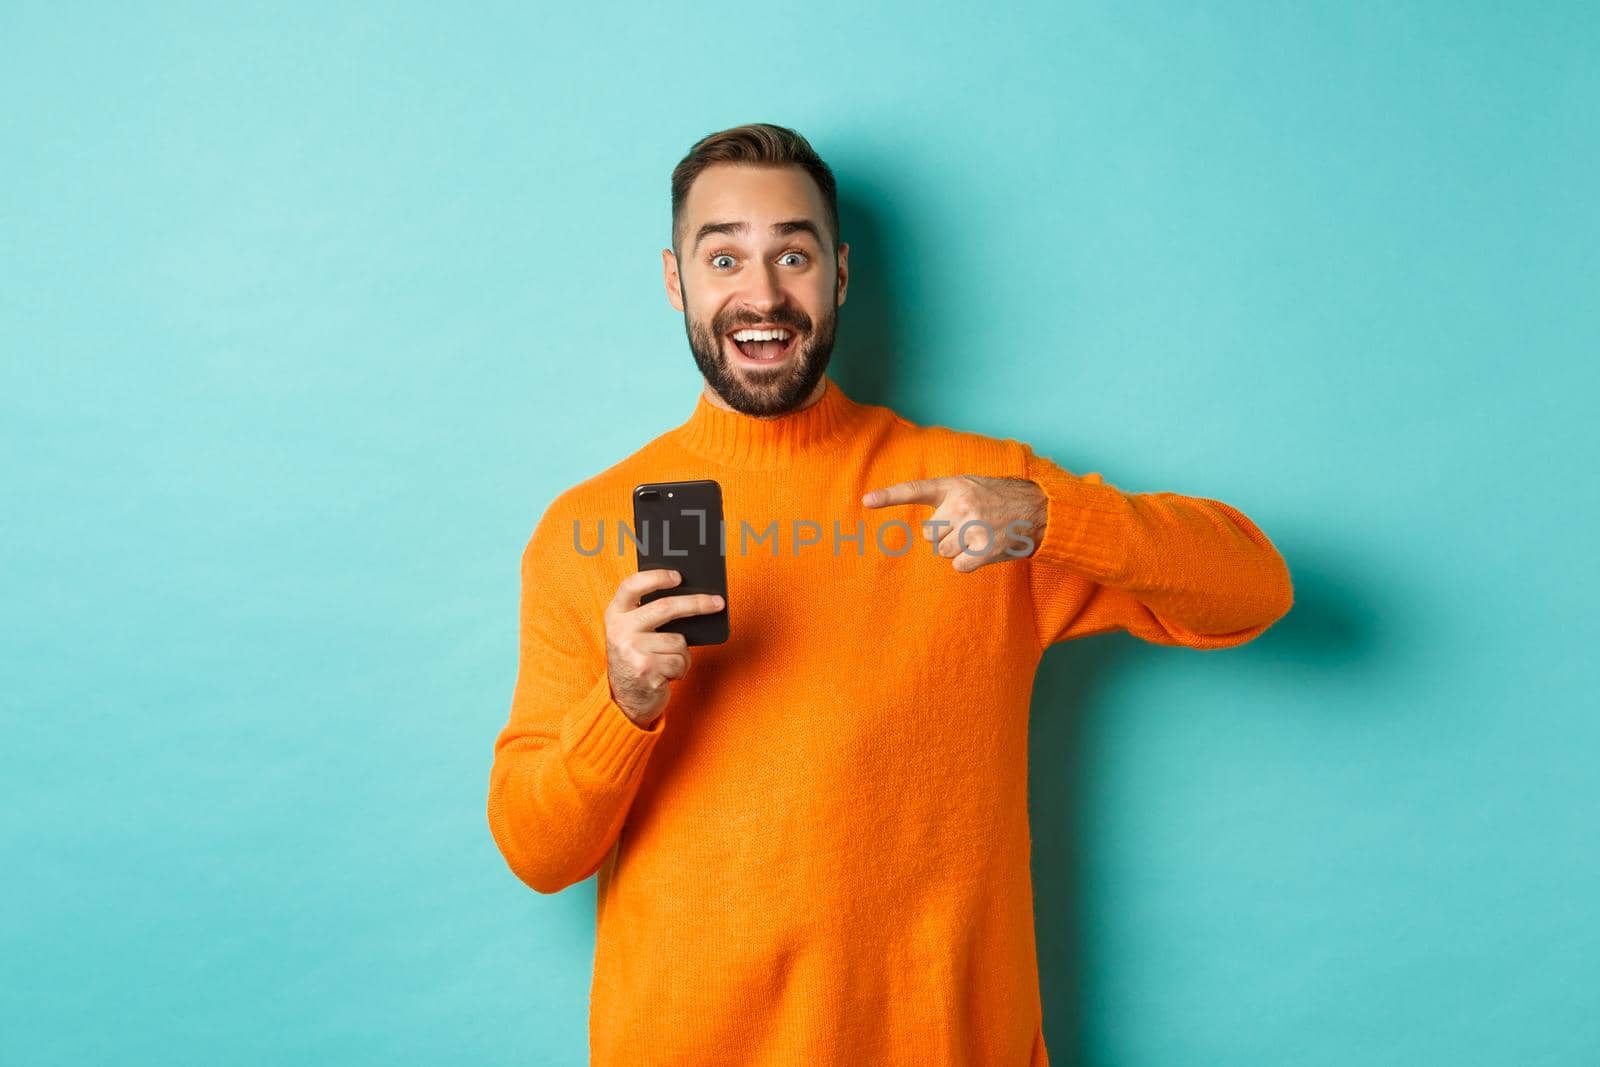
{"x": 308, "y": 313}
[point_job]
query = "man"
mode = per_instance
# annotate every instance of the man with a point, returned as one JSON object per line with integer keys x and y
{"x": 820, "y": 854}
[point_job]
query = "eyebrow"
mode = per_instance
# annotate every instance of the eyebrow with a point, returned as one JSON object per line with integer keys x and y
{"x": 783, "y": 229}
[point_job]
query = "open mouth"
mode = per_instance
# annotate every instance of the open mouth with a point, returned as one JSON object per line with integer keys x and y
{"x": 763, "y": 352}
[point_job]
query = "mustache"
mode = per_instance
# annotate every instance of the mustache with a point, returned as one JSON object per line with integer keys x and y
{"x": 777, "y": 320}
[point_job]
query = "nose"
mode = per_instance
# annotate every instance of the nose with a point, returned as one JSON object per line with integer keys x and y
{"x": 765, "y": 293}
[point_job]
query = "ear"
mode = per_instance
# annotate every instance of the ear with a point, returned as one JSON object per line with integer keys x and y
{"x": 844, "y": 274}
{"x": 669, "y": 277}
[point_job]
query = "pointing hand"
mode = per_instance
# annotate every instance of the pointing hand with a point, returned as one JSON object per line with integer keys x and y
{"x": 977, "y": 520}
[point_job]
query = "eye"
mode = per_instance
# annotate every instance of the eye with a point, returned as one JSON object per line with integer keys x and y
{"x": 786, "y": 255}
{"x": 719, "y": 255}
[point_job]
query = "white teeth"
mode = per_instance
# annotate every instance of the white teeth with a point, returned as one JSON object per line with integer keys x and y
{"x": 761, "y": 335}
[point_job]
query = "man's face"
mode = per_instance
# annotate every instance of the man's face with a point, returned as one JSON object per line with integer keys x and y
{"x": 755, "y": 253}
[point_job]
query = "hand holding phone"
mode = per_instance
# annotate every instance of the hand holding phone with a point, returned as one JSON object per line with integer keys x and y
{"x": 678, "y": 598}
{"x": 640, "y": 658}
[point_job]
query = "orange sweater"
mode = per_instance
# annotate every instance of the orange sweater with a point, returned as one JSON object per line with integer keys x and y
{"x": 819, "y": 853}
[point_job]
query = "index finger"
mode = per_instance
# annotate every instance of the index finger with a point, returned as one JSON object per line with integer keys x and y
{"x": 635, "y": 585}
{"x": 916, "y": 491}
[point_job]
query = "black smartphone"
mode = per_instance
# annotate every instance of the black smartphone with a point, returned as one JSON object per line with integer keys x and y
{"x": 678, "y": 526}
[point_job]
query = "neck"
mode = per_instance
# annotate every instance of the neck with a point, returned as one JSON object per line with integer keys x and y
{"x": 716, "y": 432}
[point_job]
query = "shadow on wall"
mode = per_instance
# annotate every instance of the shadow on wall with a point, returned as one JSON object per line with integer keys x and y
{"x": 1321, "y": 634}
{"x": 865, "y": 351}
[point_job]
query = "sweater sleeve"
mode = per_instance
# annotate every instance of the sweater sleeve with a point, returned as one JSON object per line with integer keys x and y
{"x": 1169, "y": 569}
{"x": 569, "y": 761}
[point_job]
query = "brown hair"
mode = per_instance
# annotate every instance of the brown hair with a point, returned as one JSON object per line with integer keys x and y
{"x": 758, "y": 144}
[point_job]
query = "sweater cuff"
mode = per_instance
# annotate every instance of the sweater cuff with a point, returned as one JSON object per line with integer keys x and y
{"x": 1089, "y": 526}
{"x": 601, "y": 743}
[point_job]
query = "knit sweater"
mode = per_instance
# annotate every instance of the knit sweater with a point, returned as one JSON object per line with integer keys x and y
{"x": 819, "y": 852}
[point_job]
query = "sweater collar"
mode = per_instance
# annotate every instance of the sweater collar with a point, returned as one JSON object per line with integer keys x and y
{"x": 735, "y": 439}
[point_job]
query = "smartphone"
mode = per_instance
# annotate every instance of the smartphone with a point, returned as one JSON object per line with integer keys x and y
{"x": 678, "y": 526}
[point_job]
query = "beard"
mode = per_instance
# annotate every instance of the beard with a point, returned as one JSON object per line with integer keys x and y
{"x": 759, "y": 391}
